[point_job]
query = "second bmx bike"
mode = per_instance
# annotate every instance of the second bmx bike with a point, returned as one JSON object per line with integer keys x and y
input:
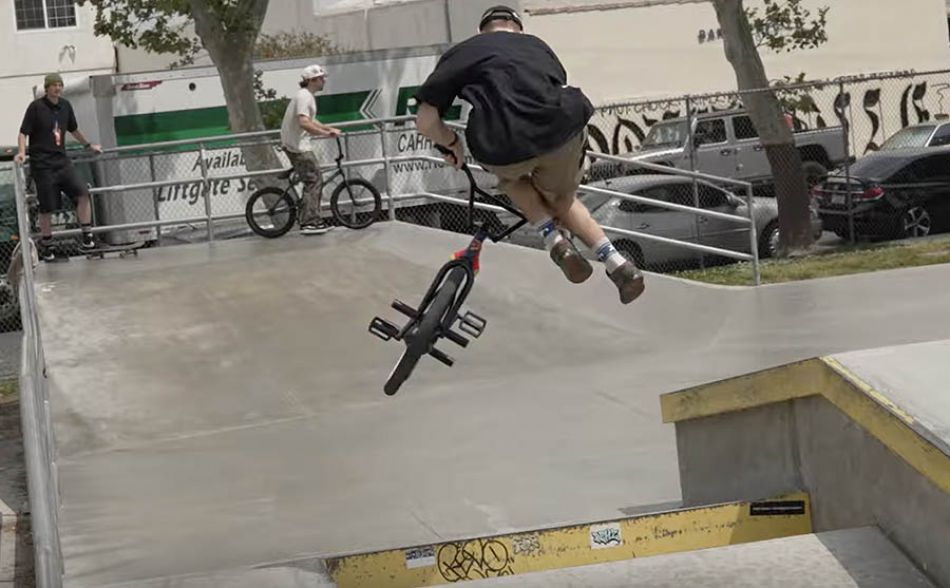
{"x": 272, "y": 211}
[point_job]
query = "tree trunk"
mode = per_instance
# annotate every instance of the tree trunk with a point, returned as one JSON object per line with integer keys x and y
{"x": 232, "y": 53}
{"x": 791, "y": 189}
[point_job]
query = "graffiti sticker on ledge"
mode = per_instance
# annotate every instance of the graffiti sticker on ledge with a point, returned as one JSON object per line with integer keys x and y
{"x": 420, "y": 557}
{"x": 603, "y": 536}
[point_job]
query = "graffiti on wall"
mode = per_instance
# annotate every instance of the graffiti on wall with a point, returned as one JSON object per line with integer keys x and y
{"x": 870, "y": 110}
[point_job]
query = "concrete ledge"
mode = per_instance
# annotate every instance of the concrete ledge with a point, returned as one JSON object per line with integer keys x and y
{"x": 817, "y": 427}
{"x": 825, "y": 377}
{"x": 577, "y": 545}
{"x": 855, "y": 558}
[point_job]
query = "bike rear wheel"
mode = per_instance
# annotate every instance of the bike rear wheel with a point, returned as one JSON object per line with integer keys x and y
{"x": 356, "y": 203}
{"x": 421, "y": 338}
{"x": 271, "y": 212}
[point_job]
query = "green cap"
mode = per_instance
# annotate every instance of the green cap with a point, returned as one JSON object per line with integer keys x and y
{"x": 53, "y": 78}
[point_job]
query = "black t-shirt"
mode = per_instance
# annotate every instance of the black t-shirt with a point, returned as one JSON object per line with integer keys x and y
{"x": 522, "y": 106}
{"x": 46, "y": 125}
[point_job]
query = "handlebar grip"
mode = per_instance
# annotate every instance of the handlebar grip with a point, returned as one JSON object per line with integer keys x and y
{"x": 445, "y": 151}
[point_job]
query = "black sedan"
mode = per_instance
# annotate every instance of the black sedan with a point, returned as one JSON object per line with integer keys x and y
{"x": 891, "y": 194}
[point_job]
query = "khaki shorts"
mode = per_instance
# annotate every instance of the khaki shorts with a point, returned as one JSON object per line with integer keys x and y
{"x": 556, "y": 175}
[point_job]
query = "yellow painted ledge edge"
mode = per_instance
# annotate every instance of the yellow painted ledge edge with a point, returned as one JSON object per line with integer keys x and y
{"x": 787, "y": 382}
{"x": 826, "y": 377}
{"x": 890, "y": 425}
{"x": 632, "y": 537}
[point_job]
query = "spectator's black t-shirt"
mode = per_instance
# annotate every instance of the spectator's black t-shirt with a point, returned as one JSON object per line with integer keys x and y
{"x": 46, "y": 125}
{"x": 522, "y": 106}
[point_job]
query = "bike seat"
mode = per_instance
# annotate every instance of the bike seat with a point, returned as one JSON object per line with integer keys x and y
{"x": 285, "y": 174}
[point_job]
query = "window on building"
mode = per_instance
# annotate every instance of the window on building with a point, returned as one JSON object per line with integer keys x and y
{"x": 44, "y": 14}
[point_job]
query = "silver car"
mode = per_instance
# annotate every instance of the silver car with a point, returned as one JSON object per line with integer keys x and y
{"x": 620, "y": 213}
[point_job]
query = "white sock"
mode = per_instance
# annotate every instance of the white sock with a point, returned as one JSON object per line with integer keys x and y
{"x": 548, "y": 230}
{"x": 608, "y": 254}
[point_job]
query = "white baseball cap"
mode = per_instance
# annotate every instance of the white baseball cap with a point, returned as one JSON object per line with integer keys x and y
{"x": 313, "y": 71}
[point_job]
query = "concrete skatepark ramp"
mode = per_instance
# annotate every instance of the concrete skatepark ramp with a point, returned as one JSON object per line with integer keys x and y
{"x": 220, "y": 418}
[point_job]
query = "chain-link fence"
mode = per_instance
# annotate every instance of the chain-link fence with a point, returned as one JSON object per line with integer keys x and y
{"x": 9, "y": 237}
{"x": 870, "y": 149}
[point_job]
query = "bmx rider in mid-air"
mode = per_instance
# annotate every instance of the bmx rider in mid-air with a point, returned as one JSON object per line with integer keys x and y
{"x": 528, "y": 128}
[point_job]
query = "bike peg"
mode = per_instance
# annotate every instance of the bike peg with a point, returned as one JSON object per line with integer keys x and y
{"x": 405, "y": 309}
{"x": 446, "y": 359}
{"x": 472, "y": 324}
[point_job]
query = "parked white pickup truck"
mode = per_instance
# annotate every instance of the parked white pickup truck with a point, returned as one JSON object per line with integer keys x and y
{"x": 726, "y": 145}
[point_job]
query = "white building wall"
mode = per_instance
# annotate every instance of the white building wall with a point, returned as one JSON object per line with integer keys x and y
{"x": 29, "y": 55}
{"x": 621, "y": 53}
{"x": 623, "y": 49}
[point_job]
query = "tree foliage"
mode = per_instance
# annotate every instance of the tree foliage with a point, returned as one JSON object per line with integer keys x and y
{"x": 785, "y": 25}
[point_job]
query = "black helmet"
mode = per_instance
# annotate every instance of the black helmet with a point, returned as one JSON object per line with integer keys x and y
{"x": 500, "y": 12}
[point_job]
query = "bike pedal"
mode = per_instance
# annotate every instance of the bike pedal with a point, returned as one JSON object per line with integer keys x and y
{"x": 383, "y": 329}
{"x": 472, "y": 324}
{"x": 446, "y": 359}
{"x": 405, "y": 309}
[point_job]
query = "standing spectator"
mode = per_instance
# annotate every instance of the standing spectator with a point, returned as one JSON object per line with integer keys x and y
{"x": 45, "y": 123}
{"x": 298, "y": 126}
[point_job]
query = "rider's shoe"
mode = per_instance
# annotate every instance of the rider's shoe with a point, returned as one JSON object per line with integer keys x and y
{"x": 629, "y": 281}
{"x": 316, "y": 228}
{"x": 46, "y": 252}
{"x": 572, "y": 263}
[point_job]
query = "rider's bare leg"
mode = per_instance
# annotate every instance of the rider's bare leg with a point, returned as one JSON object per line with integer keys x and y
{"x": 524, "y": 195}
{"x": 575, "y": 217}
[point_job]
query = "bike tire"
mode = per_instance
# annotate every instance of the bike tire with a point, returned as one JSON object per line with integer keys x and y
{"x": 284, "y": 200}
{"x": 420, "y": 340}
{"x": 369, "y": 217}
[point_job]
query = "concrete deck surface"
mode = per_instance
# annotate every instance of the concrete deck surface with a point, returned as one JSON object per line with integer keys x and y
{"x": 852, "y": 558}
{"x": 220, "y": 406}
{"x": 914, "y": 378}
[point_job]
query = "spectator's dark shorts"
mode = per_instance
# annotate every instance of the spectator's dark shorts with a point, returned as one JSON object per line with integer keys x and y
{"x": 52, "y": 183}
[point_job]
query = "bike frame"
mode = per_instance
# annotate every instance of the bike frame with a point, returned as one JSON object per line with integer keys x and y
{"x": 466, "y": 259}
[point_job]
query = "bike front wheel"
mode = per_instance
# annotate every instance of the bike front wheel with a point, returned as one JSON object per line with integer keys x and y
{"x": 270, "y": 212}
{"x": 421, "y": 338}
{"x": 356, "y": 203}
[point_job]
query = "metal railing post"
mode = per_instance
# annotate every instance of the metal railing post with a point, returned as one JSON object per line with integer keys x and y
{"x": 846, "y": 131}
{"x": 206, "y": 189}
{"x": 156, "y": 194}
{"x": 753, "y": 237}
{"x": 387, "y": 171}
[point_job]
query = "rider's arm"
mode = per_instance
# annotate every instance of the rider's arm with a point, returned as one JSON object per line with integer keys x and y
{"x": 315, "y": 127}
{"x": 21, "y": 148}
{"x": 430, "y": 125}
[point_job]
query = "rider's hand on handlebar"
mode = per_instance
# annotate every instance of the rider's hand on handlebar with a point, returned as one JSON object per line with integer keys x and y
{"x": 334, "y": 132}
{"x": 454, "y": 154}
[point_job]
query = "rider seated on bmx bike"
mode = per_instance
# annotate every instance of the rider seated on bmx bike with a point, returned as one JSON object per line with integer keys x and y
{"x": 528, "y": 128}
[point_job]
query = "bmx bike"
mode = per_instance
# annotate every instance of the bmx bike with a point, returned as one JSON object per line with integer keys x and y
{"x": 440, "y": 307}
{"x": 272, "y": 211}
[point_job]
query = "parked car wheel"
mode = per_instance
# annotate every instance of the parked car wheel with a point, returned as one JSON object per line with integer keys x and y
{"x": 916, "y": 222}
{"x": 769, "y": 240}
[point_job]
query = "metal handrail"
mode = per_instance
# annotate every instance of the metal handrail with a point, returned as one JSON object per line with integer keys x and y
{"x": 38, "y": 444}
